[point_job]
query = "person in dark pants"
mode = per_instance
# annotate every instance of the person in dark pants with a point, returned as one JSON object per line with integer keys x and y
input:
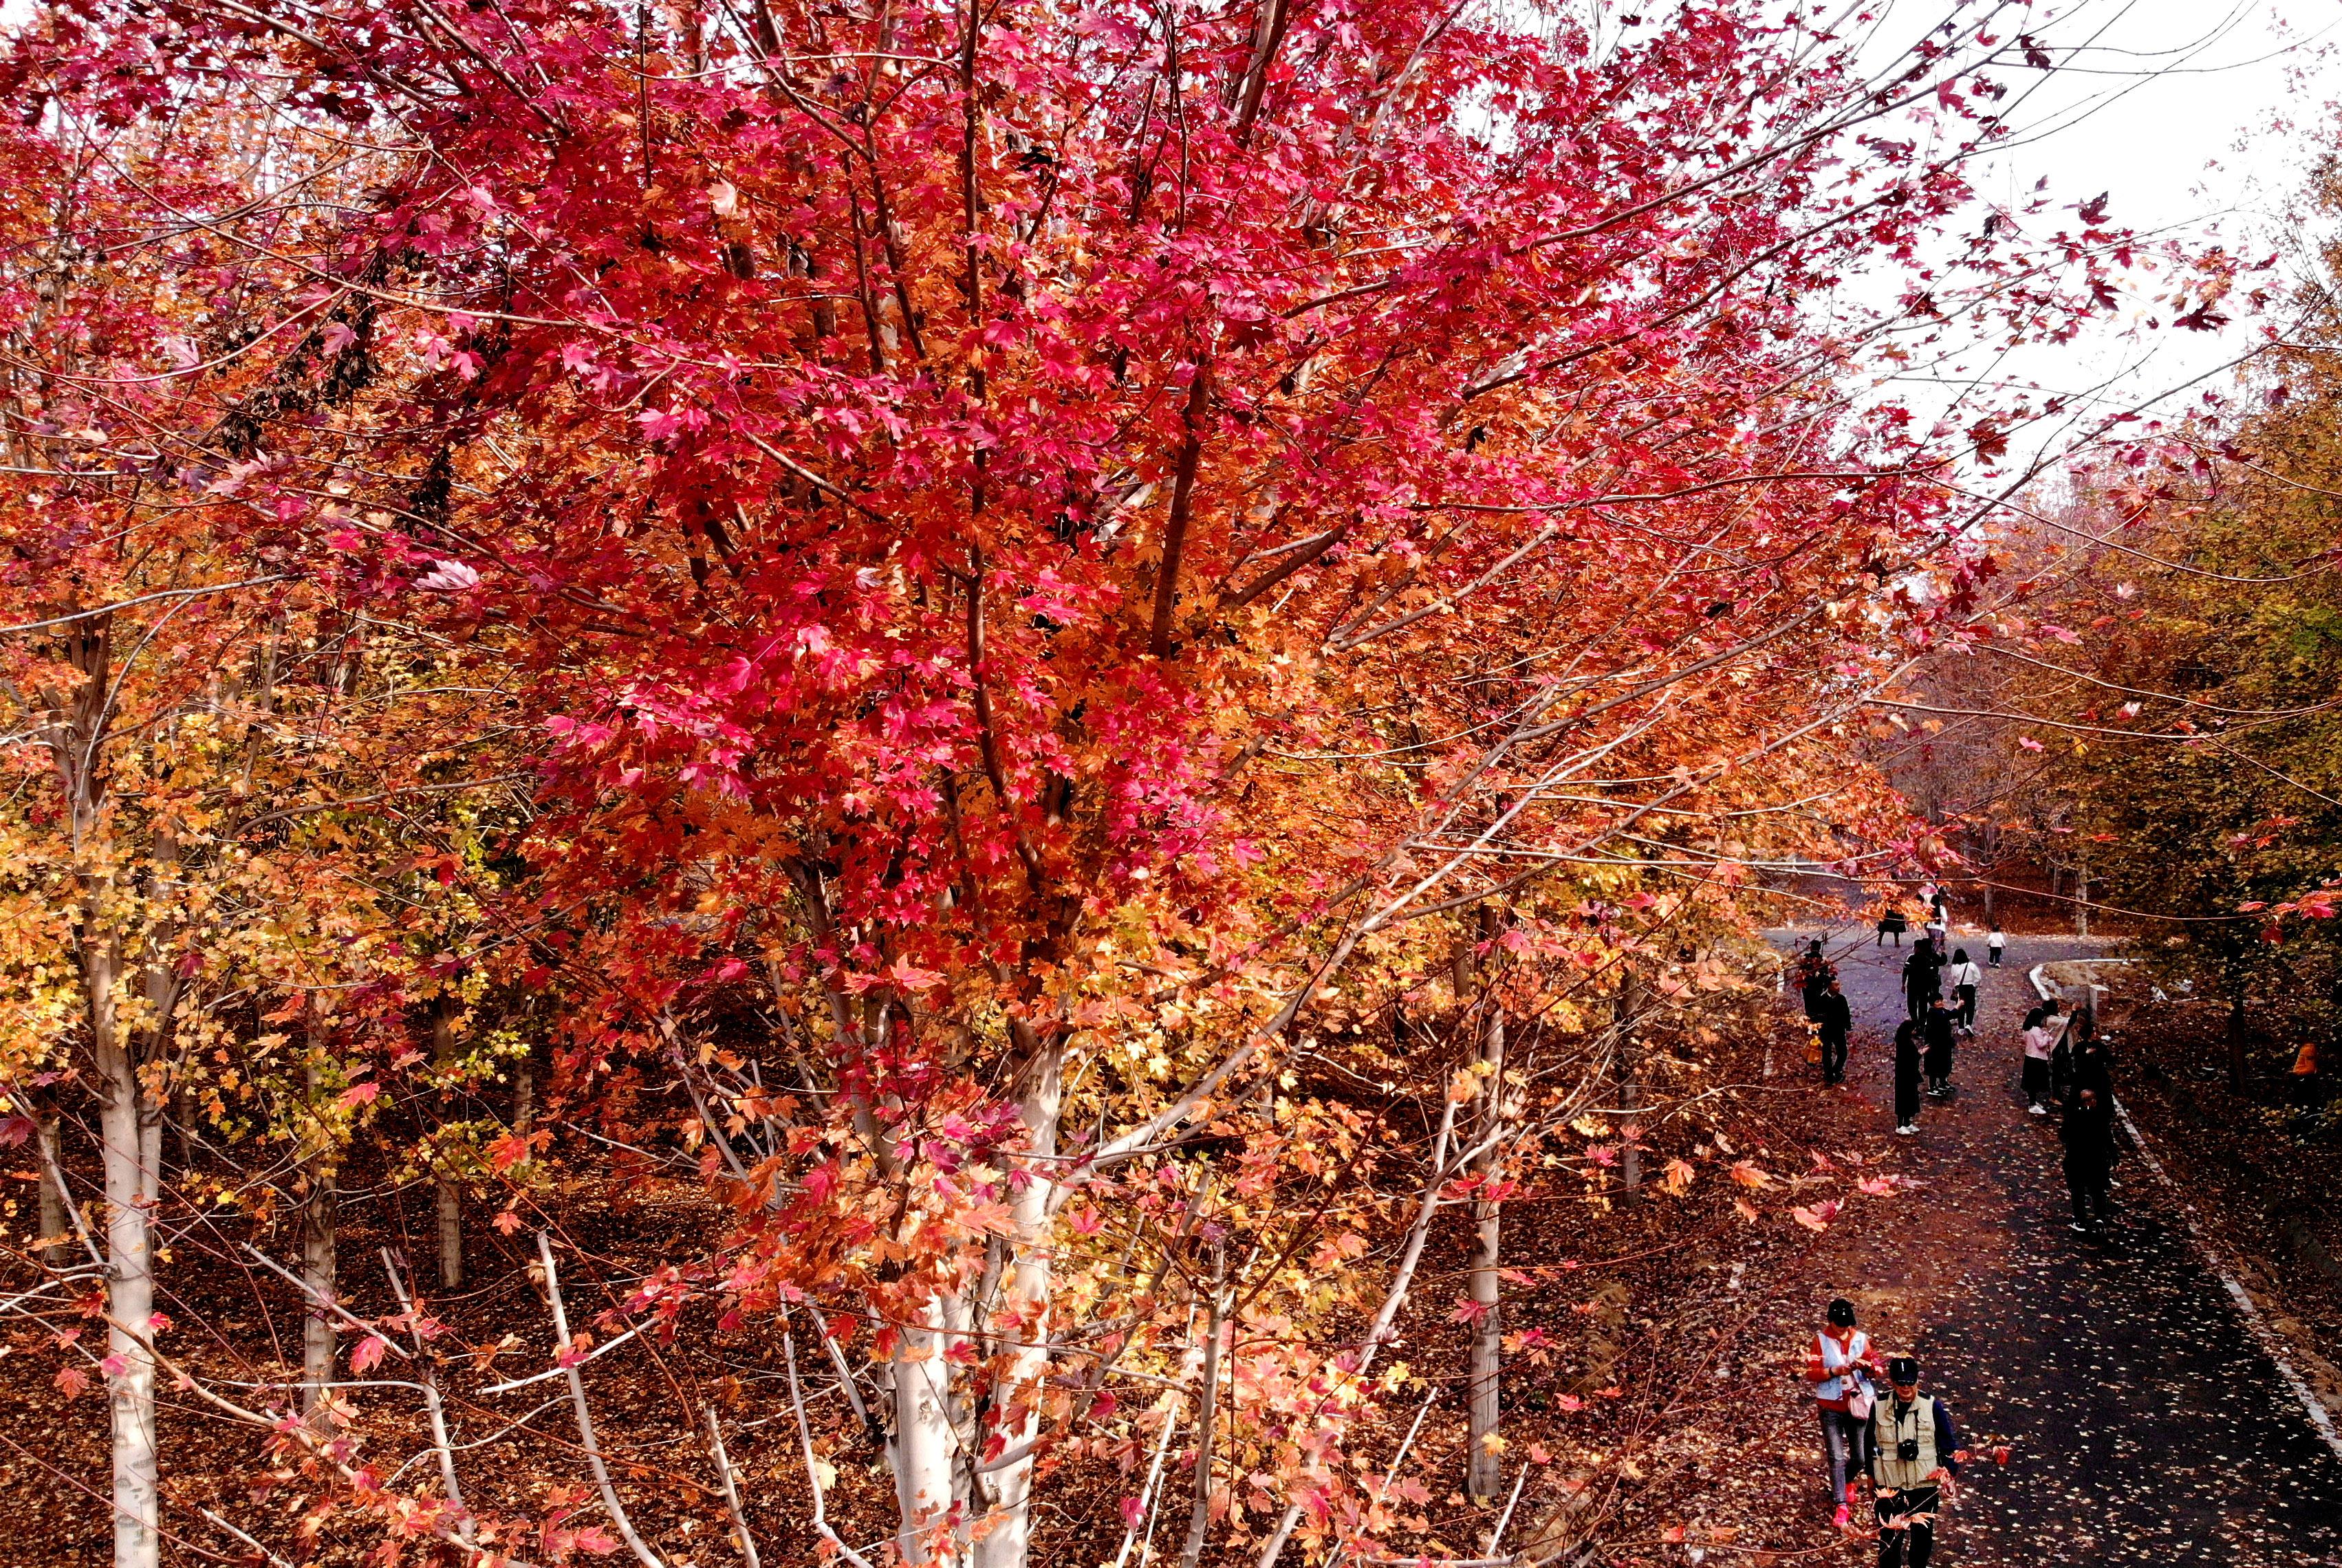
{"x": 2037, "y": 1044}
{"x": 1906, "y": 1077}
{"x": 1834, "y": 1018}
{"x": 1940, "y": 1027}
{"x": 2088, "y": 1134}
{"x": 1921, "y": 974}
{"x": 1892, "y": 923}
{"x": 1914, "y": 1452}
{"x": 1814, "y": 973}
{"x": 1964, "y": 977}
{"x": 1995, "y": 944}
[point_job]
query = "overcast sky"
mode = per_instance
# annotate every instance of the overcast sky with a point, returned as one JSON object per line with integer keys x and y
{"x": 2197, "y": 117}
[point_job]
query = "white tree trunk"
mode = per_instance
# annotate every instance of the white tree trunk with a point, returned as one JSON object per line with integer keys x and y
{"x": 923, "y": 1439}
{"x": 53, "y": 1221}
{"x": 318, "y": 1271}
{"x": 446, "y": 1196}
{"x": 1009, "y": 1538}
{"x": 1484, "y": 1469}
{"x": 126, "y": 1135}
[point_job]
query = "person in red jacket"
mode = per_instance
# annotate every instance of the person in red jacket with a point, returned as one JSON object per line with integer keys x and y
{"x": 1838, "y": 1358}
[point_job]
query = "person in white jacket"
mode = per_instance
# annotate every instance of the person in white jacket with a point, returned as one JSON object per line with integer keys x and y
{"x": 1964, "y": 977}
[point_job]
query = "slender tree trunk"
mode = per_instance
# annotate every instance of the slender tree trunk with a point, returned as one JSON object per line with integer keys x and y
{"x": 446, "y": 1196}
{"x": 53, "y": 1221}
{"x": 525, "y": 1092}
{"x": 1009, "y": 1542}
{"x": 1483, "y": 1475}
{"x": 1630, "y": 1084}
{"x": 1200, "y": 1512}
{"x": 923, "y": 1437}
{"x": 2082, "y": 894}
{"x": 125, "y": 1132}
{"x": 318, "y": 1220}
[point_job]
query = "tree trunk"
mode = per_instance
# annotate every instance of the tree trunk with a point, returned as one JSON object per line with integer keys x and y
{"x": 447, "y": 1198}
{"x": 2082, "y": 894}
{"x": 1484, "y": 1472}
{"x": 1200, "y": 1512}
{"x": 125, "y": 1132}
{"x": 525, "y": 1092}
{"x": 1009, "y": 1542}
{"x": 54, "y": 1220}
{"x": 1630, "y": 1085}
{"x": 922, "y": 1438}
{"x": 319, "y": 1216}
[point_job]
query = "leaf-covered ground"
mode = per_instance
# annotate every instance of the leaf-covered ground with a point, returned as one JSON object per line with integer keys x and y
{"x": 2143, "y": 1423}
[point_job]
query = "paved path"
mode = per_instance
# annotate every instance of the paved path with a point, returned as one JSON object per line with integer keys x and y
{"x": 2145, "y": 1425}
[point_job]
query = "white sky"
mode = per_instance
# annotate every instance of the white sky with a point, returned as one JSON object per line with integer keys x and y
{"x": 2200, "y": 118}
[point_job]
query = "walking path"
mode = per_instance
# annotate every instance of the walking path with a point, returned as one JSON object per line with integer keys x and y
{"x": 2145, "y": 1423}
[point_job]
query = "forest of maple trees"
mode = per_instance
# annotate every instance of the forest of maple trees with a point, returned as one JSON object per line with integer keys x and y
{"x": 869, "y": 780}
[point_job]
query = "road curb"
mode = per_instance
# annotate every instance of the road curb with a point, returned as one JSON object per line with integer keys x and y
{"x": 2272, "y": 1344}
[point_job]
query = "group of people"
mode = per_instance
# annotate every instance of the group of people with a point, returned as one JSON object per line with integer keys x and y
{"x": 1901, "y": 1441}
{"x": 2067, "y": 1063}
{"x": 1940, "y": 1006}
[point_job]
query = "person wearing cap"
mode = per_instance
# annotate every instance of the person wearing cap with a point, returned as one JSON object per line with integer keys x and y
{"x": 1915, "y": 1452}
{"x": 1835, "y": 1363}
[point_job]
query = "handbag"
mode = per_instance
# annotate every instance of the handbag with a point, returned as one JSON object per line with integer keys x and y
{"x": 1859, "y": 1399}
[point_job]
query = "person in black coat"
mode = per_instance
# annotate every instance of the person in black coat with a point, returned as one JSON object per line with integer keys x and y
{"x": 1834, "y": 1018}
{"x": 2088, "y": 1134}
{"x": 1922, "y": 973}
{"x": 1907, "y": 1076}
{"x": 1939, "y": 1027}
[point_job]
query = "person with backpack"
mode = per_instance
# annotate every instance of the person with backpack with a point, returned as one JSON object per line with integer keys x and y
{"x": 1940, "y": 1028}
{"x": 1834, "y": 1018}
{"x": 1906, "y": 1077}
{"x": 1835, "y": 1367}
{"x": 1914, "y": 1452}
{"x": 1964, "y": 977}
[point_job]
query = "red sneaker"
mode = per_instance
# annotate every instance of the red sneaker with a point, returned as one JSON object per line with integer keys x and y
{"x": 1845, "y": 1516}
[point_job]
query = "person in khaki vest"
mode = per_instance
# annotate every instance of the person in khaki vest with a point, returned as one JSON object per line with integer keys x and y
{"x": 1914, "y": 1454}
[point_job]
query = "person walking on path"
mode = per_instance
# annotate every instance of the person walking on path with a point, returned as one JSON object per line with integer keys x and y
{"x": 1906, "y": 1077}
{"x": 2061, "y": 1052}
{"x": 1964, "y": 977}
{"x": 1922, "y": 973}
{"x": 1914, "y": 1452}
{"x": 1892, "y": 923}
{"x": 1834, "y": 1366}
{"x": 1940, "y": 1028}
{"x": 2088, "y": 1134}
{"x": 2037, "y": 1043}
{"x": 1813, "y": 974}
{"x": 1993, "y": 943}
{"x": 1834, "y": 1018}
